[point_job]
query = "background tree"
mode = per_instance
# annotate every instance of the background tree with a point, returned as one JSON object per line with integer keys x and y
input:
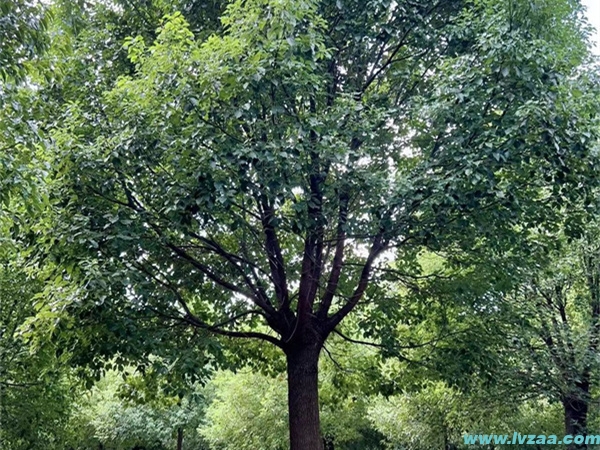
{"x": 525, "y": 338}
{"x": 122, "y": 414}
{"x": 36, "y": 388}
{"x": 437, "y": 417}
{"x": 559, "y": 317}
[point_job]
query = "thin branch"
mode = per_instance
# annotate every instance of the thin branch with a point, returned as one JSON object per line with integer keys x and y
{"x": 357, "y": 341}
{"x": 337, "y": 364}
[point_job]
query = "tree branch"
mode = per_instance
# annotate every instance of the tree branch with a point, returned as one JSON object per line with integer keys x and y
{"x": 338, "y": 260}
{"x": 363, "y": 282}
{"x": 274, "y": 254}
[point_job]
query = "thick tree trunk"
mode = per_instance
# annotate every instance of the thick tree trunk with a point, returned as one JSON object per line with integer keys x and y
{"x": 576, "y": 412}
{"x": 179, "y": 438}
{"x": 303, "y": 397}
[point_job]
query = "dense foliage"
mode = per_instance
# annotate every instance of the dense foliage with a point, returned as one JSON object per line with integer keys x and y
{"x": 209, "y": 206}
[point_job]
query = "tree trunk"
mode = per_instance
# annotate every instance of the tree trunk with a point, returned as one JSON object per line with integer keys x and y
{"x": 303, "y": 397}
{"x": 179, "y": 438}
{"x": 328, "y": 443}
{"x": 576, "y": 411}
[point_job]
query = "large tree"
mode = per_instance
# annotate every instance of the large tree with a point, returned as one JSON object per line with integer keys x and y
{"x": 251, "y": 178}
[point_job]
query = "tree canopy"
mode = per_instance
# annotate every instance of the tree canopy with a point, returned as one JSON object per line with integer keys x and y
{"x": 184, "y": 174}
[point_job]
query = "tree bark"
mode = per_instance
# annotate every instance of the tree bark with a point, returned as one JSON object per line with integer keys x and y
{"x": 576, "y": 412}
{"x": 328, "y": 443}
{"x": 179, "y": 438}
{"x": 303, "y": 397}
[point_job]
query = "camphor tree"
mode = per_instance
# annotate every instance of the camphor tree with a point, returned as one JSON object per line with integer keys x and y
{"x": 253, "y": 181}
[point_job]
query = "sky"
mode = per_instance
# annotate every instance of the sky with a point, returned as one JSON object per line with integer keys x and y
{"x": 593, "y": 15}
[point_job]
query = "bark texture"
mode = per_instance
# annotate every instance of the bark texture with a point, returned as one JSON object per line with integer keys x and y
{"x": 303, "y": 397}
